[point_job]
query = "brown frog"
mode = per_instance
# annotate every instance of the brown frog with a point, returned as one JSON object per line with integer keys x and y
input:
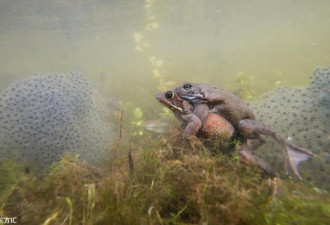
{"x": 203, "y": 123}
{"x": 207, "y": 125}
{"x": 182, "y": 110}
{"x": 241, "y": 117}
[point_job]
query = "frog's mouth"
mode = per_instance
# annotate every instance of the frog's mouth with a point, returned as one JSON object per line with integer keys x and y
{"x": 193, "y": 99}
{"x": 188, "y": 97}
{"x": 173, "y": 107}
{"x": 167, "y": 103}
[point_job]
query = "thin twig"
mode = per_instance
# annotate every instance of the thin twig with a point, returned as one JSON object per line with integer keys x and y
{"x": 130, "y": 160}
{"x": 120, "y": 118}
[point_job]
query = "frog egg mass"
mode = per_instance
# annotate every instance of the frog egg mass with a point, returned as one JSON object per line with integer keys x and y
{"x": 302, "y": 115}
{"x": 45, "y": 116}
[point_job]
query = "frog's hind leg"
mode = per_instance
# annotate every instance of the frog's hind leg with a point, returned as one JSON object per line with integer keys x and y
{"x": 253, "y": 144}
{"x": 247, "y": 157}
{"x": 252, "y": 129}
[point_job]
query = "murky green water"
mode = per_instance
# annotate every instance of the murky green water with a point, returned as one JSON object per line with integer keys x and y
{"x": 132, "y": 49}
{"x": 117, "y": 43}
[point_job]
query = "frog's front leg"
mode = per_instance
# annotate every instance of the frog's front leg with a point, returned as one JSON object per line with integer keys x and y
{"x": 252, "y": 129}
{"x": 193, "y": 125}
{"x": 201, "y": 111}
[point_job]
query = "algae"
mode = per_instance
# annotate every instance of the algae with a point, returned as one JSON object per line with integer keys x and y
{"x": 161, "y": 182}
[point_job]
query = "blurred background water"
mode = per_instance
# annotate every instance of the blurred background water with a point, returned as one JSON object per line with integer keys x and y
{"x": 123, "y": 45}
{"x": 132, "y": 49}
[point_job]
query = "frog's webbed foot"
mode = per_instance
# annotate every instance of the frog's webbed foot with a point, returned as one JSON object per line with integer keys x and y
{"x": 294, "y": 154}
{"x": 247, "y": 157}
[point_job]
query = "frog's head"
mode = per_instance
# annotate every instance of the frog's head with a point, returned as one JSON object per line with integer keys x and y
{"x": 172, "y": 101}
{"x": 190, "y": 91}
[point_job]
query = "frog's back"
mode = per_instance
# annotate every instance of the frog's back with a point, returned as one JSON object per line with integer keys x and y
{"x": 230, "y": 106}
{"x": 219, "y": 101}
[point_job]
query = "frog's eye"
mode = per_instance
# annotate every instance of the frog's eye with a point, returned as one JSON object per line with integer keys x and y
{"x": 169, "y": 94}
{"x": 186, "y": 87}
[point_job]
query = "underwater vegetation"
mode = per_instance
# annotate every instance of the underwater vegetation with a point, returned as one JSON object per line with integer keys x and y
{"x": 44, "y": 116}
{"x": 245, "y": 86}
{"x": 159, "y": 184}
{"x": 302, "y": 115}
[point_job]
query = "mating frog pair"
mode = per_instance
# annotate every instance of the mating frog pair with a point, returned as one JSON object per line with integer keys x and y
{"x": 210, "y": 112}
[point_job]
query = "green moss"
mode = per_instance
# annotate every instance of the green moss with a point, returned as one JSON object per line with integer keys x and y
{"x": 169, "y": 184}
{"x": 10, "y": 177}
{"x": 299, "y": 204}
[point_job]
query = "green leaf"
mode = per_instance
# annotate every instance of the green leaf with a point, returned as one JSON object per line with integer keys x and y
{"x": 138, "y": 113}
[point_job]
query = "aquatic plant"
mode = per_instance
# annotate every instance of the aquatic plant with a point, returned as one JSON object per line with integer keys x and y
{"x": 245, "y": 88}
{"x": 167, "y": 184}
{"x": 142, "y": 45}
{"x": 138, "y": 113}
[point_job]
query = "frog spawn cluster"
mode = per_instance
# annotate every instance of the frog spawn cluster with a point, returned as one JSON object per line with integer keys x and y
{"x": 302, "y": 115}
{"x": 45, "y": 116}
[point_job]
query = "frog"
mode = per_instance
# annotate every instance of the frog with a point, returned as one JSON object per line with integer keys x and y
{"x": 203, "y": 123}
{"x": 233, "y": 109}
{"x": 182, "y": 110}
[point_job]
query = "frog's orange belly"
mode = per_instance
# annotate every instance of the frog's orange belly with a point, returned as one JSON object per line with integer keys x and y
{"x": 217, "y": 127}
